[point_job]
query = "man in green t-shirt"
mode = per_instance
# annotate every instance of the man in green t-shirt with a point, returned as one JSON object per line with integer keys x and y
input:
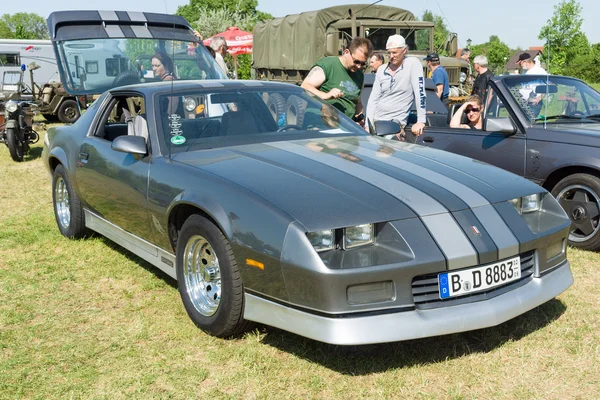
{"x": 339, "y": 80}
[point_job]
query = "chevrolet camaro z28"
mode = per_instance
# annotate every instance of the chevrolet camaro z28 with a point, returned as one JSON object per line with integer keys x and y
{"x": 304, "y": 222}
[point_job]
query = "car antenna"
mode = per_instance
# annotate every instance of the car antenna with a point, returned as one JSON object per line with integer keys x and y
{"x": 547, "y": 83}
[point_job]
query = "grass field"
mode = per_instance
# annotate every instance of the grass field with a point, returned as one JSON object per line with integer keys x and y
{"x": 86, "y": 319}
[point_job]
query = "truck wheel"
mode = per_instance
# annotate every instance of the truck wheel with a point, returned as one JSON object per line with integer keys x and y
{"x": 579, "y": 196}
{"x": 294, "y": 112}
{"x": 68, "y": 111}
{"x": 208, "y": 279}
{"x": 15, "y": 147}
{"x": 276, "y": 105}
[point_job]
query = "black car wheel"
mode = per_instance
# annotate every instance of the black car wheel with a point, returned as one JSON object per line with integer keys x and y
{"x": 208, "y": 279}
{"x": 15, "y": 146}
{"x": 579, "y": 195}
{"x": 68, "y": 111}
{"x": 67, "y": 207}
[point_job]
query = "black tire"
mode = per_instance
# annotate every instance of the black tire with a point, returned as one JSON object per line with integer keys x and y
{"x": 68, "y": 111}
{"x": 69, "y": 214}
{"x": 579, "y": 195}
{"x": 15, "y": 146}
{"x": 276, "y": 105}
{"x": 129, "y": 77}
{"x": 217, "y": 306}
{"x": 294, "y": 112}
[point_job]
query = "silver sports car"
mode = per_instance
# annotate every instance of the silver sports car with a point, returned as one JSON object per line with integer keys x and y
{"x": 299, "y": 220}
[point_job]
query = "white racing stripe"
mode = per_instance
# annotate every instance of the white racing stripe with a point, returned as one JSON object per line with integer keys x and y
{"x": 445, "y": 231}
{"x": 114, "y": 31}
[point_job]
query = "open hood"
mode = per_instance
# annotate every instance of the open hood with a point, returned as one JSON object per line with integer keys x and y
{"x": 99, "y": 50}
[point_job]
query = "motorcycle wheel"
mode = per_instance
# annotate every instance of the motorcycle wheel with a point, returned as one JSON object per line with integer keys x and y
{"x": 15, "y": 147}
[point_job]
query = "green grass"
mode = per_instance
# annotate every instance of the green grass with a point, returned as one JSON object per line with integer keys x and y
{"x": 86, "y": 319}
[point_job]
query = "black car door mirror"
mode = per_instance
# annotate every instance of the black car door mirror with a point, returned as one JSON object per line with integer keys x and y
{"x": 503, "y": 125}
{"x": 130, "y": 144}
{"x": 383, "y": 128}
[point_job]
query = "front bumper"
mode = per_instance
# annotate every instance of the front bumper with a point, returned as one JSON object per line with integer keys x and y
{"x": 412, "y": 324}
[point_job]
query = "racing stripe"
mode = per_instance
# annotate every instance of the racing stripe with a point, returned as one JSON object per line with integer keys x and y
{"x": 141, "y": 31}
{"x": 450, "y": 238}
{"x": 500, "y": 233}
{"x": 108, "y": 15}
{"x": 136, "y": 16}
{"x": 114, "y": 31}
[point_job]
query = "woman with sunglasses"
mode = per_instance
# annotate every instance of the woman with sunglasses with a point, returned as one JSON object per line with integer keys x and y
{"x": 473, "y": 108}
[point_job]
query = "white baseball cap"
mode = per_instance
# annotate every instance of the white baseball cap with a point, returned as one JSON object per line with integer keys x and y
{"x": 395, "y": 41}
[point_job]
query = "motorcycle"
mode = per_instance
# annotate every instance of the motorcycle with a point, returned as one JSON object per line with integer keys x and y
{"x": 16, "y": 130}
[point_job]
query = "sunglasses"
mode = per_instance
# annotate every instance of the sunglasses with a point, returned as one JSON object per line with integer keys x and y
{"x": 468, "y": 110}
{"x": 358, "y": 62}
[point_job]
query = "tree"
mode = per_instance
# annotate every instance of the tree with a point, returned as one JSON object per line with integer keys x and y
{"x": 196, "y": 8}
{"x": 496, "y": 51}
{"x": 563, "y": 36}
{"x": 440, "y": 31}
{"x": 23, "y": 26}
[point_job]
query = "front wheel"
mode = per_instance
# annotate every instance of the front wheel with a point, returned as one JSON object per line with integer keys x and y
{"x": 68, "y": 111}
{"x": 16, "y": 148}
{"x": 579, "y": 196}
{"x": 67, "y": 206}
{"x": 208, "y": 279}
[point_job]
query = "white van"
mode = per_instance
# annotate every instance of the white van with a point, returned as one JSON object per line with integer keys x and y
{"x": 15, "y": 53}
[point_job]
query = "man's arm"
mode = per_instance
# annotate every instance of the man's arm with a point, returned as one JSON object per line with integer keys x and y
{"x": 439, "y": 90}
{"x": 314, "y": 80}
{"x": 420, "y": 98}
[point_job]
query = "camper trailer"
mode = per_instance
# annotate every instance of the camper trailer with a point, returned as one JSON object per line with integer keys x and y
{"x": 15, "y": 53}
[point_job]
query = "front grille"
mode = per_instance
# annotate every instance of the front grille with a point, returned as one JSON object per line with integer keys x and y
{"x": 425, "y": 288}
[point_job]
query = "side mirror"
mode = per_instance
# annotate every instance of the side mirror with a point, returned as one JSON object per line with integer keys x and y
{"x": 503, "y": 125}
{"x": 383, "y": 128}
{"x": 130, "y": 144}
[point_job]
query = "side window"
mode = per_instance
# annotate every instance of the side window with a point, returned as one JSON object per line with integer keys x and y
{"x": 593, "y": 104}
{"x": 121, "y": 110}
{"x": 494, "y": 107}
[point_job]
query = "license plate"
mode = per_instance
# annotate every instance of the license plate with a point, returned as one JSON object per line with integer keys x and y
{"x": 479, "y": 278}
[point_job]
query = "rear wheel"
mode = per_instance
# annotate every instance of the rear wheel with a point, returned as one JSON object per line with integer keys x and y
{"x": 16, "y": 148}
{"x": 68, "y": 111}
{"x": 67, "y": 207}
{"x": 208, "y": 279}
{"x": 579, "y": 196}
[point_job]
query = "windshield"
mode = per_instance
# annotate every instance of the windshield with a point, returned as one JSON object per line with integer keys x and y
{"x": 417, "y": 39}
{"x": 227, "y": 117}
{"x": 96, "y": 65}
{"x": 552, "y": 99}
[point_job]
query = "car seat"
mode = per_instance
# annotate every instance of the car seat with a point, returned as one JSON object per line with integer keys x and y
{"x": 238, "y": 123}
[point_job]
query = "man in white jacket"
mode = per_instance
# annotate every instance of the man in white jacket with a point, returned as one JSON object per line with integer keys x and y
{"x": 398, "y": 84}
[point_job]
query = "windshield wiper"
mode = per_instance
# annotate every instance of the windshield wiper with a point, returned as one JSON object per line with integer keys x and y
{"x": 593, "y": 116}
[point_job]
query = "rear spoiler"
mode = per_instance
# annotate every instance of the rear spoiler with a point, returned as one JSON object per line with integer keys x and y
{"x": 74, "y": 25}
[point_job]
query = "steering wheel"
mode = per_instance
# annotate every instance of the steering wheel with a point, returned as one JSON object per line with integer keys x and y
{"x": 291, "y": 126}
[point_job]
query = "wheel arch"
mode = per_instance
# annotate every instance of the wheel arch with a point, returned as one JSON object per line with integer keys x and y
{"x": 561, "y": 173}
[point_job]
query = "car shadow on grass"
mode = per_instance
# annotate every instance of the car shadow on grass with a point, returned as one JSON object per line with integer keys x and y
{"x": 366, "y": 359}
{"x": 33, "y": 154}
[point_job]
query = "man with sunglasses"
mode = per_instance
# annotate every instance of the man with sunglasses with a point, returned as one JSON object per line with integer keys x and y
{"x": 339, "y": 80}
{"x": 398, "y": 84}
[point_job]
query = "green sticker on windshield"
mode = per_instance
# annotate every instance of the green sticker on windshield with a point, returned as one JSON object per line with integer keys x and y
{"x": 178, "y": 139}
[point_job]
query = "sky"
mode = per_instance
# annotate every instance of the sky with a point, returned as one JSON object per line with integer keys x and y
{"x": 516, "y": 22}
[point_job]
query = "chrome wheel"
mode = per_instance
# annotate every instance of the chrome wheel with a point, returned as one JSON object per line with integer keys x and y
{"x": 62, "y": 203}
{"x": 582, "y": 205}
{"x": 202, "y": 275}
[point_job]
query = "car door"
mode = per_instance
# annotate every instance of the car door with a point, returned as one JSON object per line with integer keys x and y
{"x": 114, "y": 184}
{"x": 496, "y": 144}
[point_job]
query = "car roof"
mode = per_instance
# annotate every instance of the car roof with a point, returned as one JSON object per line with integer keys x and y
{"x": 218, "y": 84}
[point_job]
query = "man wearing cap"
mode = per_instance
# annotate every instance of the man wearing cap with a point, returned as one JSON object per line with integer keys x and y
{"x": 439, "y": 76}
{"x": 528, "y": 88}
{"x": 339, "y": 80}
{"x": 398, "y": 84}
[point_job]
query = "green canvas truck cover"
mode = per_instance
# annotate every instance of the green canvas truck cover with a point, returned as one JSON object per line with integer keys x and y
{"x": 297, "y": 41}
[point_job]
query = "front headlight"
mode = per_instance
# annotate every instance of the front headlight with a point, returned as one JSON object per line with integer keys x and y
{"x": 322, "y": 240}
{"x": 527, "y": 204}
{"x": 463, "y": 77}
{"x": 360, "y": 235}
{"x": 189, "y": 103}
{"x": 11, "y": 106}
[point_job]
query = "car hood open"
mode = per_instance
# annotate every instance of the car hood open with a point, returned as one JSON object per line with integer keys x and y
{"x": 324, "y": 182}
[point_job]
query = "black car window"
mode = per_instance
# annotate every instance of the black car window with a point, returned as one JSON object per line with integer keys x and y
{"x": 207, "y": 119}
{"x": 120, "y": 111}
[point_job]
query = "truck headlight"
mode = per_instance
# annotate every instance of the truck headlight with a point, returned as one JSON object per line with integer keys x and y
{"x": 527, "y": 204}
{"x": 463, "y": 77}
{"x": 322, "y": 240}
{"x": 359, "y": 235}
{"x": 11, "y": 106}
{"x": 189, "y": 104}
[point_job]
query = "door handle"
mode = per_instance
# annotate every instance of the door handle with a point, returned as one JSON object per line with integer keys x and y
{"x": 428, "y": 139}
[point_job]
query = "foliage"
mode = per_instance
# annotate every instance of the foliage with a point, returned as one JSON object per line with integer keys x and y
{"x": 563, "y": 36}
{"x": 496, "y": 51}
{"x": 583, "y": 65}
{"x": 440, "y": 32}
{"x": 23, "y": 25}
{"x": 196, "y": 8}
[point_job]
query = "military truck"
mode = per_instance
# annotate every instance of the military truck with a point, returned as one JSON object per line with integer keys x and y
{"x": 285, "y": 49}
